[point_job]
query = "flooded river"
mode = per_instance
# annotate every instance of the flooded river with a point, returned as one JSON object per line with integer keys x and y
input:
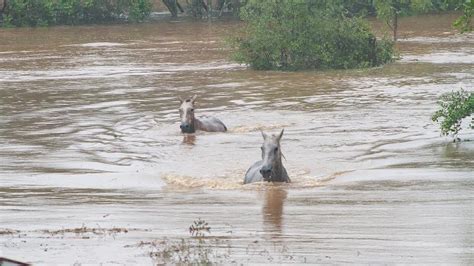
{"x": 94, "y": 168}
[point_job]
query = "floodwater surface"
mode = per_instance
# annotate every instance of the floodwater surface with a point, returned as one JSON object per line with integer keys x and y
{"x": 94, "y": 168}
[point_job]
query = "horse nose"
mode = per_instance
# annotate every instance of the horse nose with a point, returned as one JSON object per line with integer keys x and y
{"x": 265, "y": 170}
{"x": 184, "y": 126}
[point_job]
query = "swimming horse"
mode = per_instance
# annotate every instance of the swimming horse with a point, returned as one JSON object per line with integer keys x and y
{"x": 189, "y": 123}
{"x": 270, "y": 168}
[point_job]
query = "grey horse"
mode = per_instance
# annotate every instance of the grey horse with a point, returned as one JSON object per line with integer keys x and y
{"x": 189, "y": 124}
{"x": 270, "y": 168}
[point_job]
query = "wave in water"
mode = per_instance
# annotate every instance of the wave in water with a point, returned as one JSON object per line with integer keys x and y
{"x": 299, "y": 180}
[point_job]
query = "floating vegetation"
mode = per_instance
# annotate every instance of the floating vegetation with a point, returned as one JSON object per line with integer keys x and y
{"x": 188, "y": 251}
{"x": 202, "y": 248}
{"x": 7, "y": 231}
{"x": 84, "y": 230}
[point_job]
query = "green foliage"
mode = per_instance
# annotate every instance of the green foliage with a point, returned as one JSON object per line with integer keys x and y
{"x": 298, "y": 34}
{"x": 139, "y": 10}
{"x": 403, "y": 7}
{"x": 455, "y": 106}
{"x": 390, "y": 10}
{"x": 7, "y": 21}
{"x": 54, "y": 12}
{"x": 22, "y": 13}
{"x": 464, "y": 22}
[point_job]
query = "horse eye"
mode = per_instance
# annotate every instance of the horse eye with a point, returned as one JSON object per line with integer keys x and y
{"x": 276, "y": 149}
{"x": 261, "y": 148}
{"x": 192, "y": 109}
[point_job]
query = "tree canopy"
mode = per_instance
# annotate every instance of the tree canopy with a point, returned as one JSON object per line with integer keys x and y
{"x": 53, "y": 12}
{"x": 298, "y": 34}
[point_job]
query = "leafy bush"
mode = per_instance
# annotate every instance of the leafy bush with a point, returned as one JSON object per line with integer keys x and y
{"x": 298, "y": 34}
{"x": 455, "y": 106}
{"x": 402, "y": 7}
{"x": 140, "y": 10}
{"x": 22, "y": 13}
{"x": 464, "y": 22}
{"x": 53, "y": 12}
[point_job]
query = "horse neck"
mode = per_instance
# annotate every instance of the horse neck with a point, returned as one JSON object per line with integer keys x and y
{"x": 196, "y": 123}
{"x": 278, "y": 167}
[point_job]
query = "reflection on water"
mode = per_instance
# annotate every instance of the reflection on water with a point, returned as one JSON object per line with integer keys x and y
{"x": 89, "y": 129}
{"x": 189, "y": 139}
{"x": 272, "y": 209}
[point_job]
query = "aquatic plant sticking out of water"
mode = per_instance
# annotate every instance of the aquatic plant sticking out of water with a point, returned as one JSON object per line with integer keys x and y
{"x": 199, "y": 228}
{"x": 207, "y": 249}
{"x": 187, "y": 251}
{"x": 198, "y": 249}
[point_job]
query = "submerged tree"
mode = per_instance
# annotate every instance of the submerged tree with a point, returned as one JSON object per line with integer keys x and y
{"x": 455, "y": 106}
{"x": 299, "y": 34}
{"x": 391, "y": 10}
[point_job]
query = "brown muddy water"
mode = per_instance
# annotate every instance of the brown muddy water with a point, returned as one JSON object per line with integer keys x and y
{"x": 94, "y": 169}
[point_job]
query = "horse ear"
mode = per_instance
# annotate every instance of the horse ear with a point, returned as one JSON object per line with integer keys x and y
{"x": 264, "y": 135}
{"x": 193, "y": 99}
{"x": 180, "y": 99}
{"x": 281, "y": 135}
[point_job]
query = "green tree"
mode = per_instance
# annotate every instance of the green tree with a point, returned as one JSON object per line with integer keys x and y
{"x": 139, "y": 10}
{"x": 299, "y": 34}
{"x": 70, "y": 12}
{"x": 454, "y": 107}
{"x": 464, "y": 22}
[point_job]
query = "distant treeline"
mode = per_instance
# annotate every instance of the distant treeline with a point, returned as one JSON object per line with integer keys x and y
{"x": 403, "y": 7}
{"x": 390, "y": 10}
{"x": 71, "y": 12}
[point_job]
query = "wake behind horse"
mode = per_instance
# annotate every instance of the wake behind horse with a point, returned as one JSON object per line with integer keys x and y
{"x": 189, "y": 123}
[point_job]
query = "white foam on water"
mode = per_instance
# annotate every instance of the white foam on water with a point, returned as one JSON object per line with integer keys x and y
{"x": 98, "y": 44}
{"x": 300, "y": 179}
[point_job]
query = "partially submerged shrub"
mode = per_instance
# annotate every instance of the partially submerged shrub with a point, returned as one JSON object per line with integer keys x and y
{"x": 455, "y": 106}
{"x": 464, "y": 22}
{"x": 298, "y": 34}
{"x": 139, "y": 10}
{"x": 54, "y": 12}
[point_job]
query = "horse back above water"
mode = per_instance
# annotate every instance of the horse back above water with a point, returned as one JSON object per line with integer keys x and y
{"x": 189, "y": 122}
